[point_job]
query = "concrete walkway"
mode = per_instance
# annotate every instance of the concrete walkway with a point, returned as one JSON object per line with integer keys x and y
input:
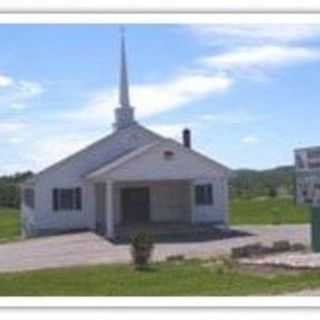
{"x": 89, "y": 249}
{"x": 306, "y": 293}
{"x": 297, "y": 260}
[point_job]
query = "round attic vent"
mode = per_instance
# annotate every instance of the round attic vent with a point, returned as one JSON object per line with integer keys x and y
{"x": 168, "y": 154}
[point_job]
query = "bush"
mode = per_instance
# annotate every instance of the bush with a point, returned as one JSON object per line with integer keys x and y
{"x": 273, "y": 193}
{"x": 176, "y": 257}
{"x": 141, "y": 249}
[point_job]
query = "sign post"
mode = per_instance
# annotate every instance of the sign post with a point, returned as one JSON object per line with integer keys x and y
{"x": 307, "y": 165}
{"x": 315, "y": 221}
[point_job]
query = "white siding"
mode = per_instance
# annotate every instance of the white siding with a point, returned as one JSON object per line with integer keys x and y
{"x": 170, "y": 201}
{"x": 152, "y": 165}
{"x": 70, "y": 173}
{"x": 218, "y": 212}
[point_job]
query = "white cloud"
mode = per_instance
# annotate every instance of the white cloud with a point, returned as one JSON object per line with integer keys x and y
{"x": 5, "y": 81}
{"x": 12, "y": 132}
{"x": 15, "y": 140}
{"x": 18, "y": 106}
{"x": 9, "y": 128}
{"x": 29, "y": 89}
{"x": 237, "y": 117}
{"x": 251, "y": 50}
{"x": 152, "y": 99}
{"x": 261, "y": 57}
{"x": 250, "y": 140}
{"x": 255, "y": 33}
{"x": 17, "y": 94}
{"x": 51, "y": 149}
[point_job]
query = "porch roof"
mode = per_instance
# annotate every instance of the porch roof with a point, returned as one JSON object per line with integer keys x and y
{"x": 150, "y": 163}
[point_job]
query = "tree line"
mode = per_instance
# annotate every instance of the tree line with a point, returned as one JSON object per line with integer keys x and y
{"x": 9, "y": 189}
{"x": 271, "y": 182}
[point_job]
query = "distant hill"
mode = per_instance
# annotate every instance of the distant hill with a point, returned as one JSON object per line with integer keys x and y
{"x": 251, "y": 183}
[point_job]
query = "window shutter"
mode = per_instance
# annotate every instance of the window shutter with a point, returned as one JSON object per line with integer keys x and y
{"x": 198, "y": 194}
{"x": 210, "y": 194}
{"x": 55, "y": 200}
{"x": 78, "y": 199}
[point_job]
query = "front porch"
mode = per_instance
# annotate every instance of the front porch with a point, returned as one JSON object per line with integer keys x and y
{"x": 161, "y": 183}
{"x": 125, "y": 207}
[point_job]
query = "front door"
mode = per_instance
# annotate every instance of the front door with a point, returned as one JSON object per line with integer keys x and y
{"x": 135, "y": 205}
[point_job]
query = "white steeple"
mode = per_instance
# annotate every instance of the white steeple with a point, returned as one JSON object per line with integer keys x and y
{"x": 124, "y": 89}
{"x": 124, "y": 114}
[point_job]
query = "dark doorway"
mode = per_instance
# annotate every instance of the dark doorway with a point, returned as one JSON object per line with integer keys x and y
{"x": 135, "y": 205}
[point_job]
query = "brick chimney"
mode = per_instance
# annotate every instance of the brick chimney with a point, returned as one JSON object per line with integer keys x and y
{"x": 186, "y": 137}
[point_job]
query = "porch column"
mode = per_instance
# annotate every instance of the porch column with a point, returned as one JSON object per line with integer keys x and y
{"x": 192, "y": 203}
{"x": 110, "y": 210}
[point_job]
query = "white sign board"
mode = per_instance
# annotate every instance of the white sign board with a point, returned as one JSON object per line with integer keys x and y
{"x": 307, "y": 165}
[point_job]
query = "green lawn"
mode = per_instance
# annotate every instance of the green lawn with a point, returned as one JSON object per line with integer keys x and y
{"x": 166, "y": 279}
{"x": 267, "y": 211}
{"x": 189, "y": 278}
{"x": 9, "y": 224}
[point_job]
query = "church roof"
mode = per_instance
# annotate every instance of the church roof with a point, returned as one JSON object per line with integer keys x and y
{"x": 163, "y": 143}
{"x": 96, "y": 145}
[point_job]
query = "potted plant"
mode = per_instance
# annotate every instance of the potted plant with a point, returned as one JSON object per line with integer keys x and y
{"x": 141, "y": 248}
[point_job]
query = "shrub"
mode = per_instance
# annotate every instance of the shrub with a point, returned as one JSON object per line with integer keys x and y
{"x": 141, "y": 249}
{"x": 273, "y": 192}
{"x": 176, "y": 257}
{"x": 227, "y": 262}
{"x": 220, "y": 270}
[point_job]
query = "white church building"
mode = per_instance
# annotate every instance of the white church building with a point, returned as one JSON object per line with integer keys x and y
{"x": 132, "y": 177}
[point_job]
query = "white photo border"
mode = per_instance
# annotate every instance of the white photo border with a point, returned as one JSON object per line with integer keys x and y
{"x": 159, "y": 18}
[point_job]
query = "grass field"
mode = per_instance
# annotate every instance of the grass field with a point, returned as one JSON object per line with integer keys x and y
{"x": 267, "y": 211}
{"x": 188, "y": 278}
{"x": 9, "y": 224}
{"x": 185, "y": 278}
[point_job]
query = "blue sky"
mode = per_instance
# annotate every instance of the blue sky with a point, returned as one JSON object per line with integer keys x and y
{"x": 250, "y": 93}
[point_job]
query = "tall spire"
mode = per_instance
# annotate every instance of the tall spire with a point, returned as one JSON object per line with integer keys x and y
{"x": 124, "y": 114}
{"x": 124, "y": 85}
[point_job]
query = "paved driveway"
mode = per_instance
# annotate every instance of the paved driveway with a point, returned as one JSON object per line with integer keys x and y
{"x": 88, "y": 248}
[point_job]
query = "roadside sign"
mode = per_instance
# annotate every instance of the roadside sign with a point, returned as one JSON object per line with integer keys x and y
{"x": 307, "y": 166}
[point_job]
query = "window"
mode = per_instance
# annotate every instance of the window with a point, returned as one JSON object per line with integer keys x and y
{"x": 66, "y": 199}
{"x": 28, "y": 197}
{"x": 168, "y": 154}
{"x": 203, "y": 194}
{"x": 314, "y": 165}
{"x": 313, "y": 154}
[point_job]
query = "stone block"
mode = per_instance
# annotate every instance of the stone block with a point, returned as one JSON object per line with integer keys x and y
{"x": 281, "y": 246}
